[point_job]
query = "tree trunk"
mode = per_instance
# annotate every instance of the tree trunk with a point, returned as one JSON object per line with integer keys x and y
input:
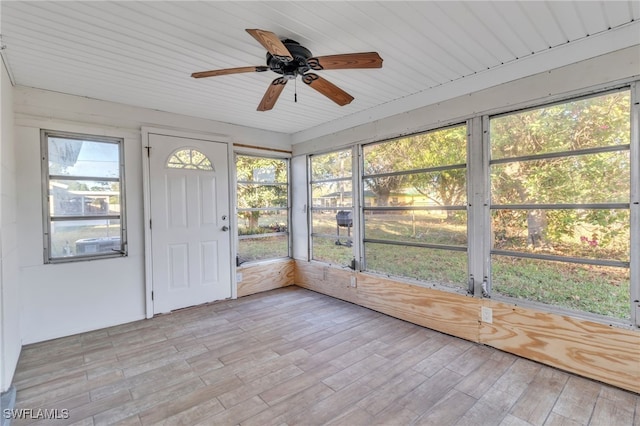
{"x": 383, "y": 198}
{"x": 253, "y": 220}
{"x": 536, "y": 225}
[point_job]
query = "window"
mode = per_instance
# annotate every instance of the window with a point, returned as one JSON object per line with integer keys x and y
{"x": 263, "y": 208}
{"x": 83, "y": 197}
{"x": 560, "y": 204}
{"x": 189, "y": 159}
{"x": 332, "y": 207}
{"x": 414, "y": 204}
{"x": 553, "y": 215}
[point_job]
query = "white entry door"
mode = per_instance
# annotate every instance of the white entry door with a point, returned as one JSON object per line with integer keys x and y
{"x": 189, "y": 199}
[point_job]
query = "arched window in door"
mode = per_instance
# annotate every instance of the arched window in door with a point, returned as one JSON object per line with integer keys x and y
{"x": 189, "y": 158}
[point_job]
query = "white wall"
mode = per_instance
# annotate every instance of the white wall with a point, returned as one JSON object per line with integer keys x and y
{"x": 299, "y": 206}
{"x": 47, "y": 105}
{"x": 64, "y": 299}
{"x": 10, "y": 342}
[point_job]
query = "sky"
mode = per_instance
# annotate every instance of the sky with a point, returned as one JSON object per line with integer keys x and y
{"x": 84, "y": 158}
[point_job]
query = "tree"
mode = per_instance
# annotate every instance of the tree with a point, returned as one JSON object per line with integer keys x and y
{"x": 260, "y": 186}
{"x": 434, "y": 149}
{"x": 337, "y": 168}
{"x": 573, "y": 179}
{"x": 384, "y": 158}
{"x": 445, "y": 147}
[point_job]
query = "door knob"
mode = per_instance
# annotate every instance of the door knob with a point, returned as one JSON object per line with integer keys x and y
{"x": 225, "y": 228}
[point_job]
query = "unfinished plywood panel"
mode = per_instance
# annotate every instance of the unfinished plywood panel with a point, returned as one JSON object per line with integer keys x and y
{"x": 594, "y": 350}
{"x": 265, "y": 276}
{"x": 335, "y": 282}
{"x": 449, "y": 313}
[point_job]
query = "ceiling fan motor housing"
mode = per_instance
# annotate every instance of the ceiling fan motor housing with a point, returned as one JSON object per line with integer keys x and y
{"x": 297, "y": 66}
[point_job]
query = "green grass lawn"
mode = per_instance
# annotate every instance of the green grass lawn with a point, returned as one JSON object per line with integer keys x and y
{"x": 253, "y": 249}
{"x": 589, "y": 288}
{"x": 443, "y": 267}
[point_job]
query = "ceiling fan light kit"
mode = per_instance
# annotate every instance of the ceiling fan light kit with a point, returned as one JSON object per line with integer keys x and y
{"x": 290, "y": 59}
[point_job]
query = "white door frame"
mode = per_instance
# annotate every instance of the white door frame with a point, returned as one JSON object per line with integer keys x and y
{"x": 146, "y": 190}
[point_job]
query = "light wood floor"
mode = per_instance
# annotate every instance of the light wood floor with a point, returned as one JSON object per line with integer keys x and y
{"x": 292, "y": 356}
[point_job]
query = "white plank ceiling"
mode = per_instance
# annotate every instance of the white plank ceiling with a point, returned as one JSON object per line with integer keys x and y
{"x": 142, "y": 53}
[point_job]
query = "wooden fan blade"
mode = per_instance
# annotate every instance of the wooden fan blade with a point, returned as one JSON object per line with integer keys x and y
{"x": 272, "y": 94}
{"x": 227, "y": 71}
{"x": 272, "y": 43}
{"x": 346, "y": 61}
{"x": 328, "y": 89}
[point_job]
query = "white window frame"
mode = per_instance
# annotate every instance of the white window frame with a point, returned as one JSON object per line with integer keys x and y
{"x": 444, "y": 247}
{"x": 634, "y": 152}
{"x": 48, "y": 218}
{"x": 239, "y": 237}
{"x": 355, "y": 230}
{"x": 484, "y": 289}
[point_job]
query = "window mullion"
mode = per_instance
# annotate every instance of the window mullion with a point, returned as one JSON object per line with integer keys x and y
{"x": 309, "y": 208}
{"x": 635, "y": 205}
{"x": 358, "y": 212}
{"x": 475, "y": 202}
{"x": 487, "y": 233}
{"x": 85, "y": 178}
{"x": 85, "y": 217}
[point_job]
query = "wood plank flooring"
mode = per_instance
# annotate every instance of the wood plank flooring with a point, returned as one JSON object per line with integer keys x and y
{"x": 292, "y": 356}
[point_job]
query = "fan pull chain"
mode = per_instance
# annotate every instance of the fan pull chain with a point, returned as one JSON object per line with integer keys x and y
{"x": 295, "y": 90}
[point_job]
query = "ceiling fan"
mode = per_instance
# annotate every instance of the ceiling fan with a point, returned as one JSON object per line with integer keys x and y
{"x": 290, "y": 59}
